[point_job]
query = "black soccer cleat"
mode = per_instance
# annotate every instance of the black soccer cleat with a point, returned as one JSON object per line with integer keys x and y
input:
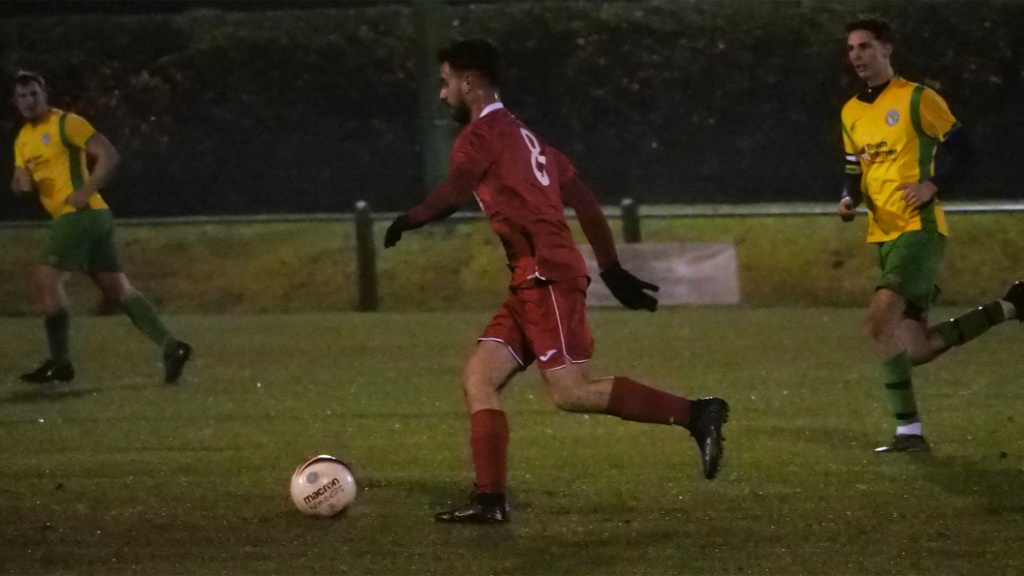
{"x": 905, "y": 443}
{"x": 707, "y": 415}
{"x": 176, "y": 354}
{"x": 50, "y": 371}
{"x": 1015, "y": 295}
{"x": 483, "y": 508}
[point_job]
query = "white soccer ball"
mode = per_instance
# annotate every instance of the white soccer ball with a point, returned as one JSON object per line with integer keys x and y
{"x": 323, "y": 486}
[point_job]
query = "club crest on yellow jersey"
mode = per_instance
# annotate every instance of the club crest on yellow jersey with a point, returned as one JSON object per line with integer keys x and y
{"x": 892, "y": 117}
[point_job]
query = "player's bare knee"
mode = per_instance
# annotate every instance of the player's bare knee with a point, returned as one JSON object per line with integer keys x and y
{"x": 112, "y": 294}
{"x": 568, "y": 398}
{"x": 119, "y": 294}
{"x": 45, "y": 280}
{"x": 927, "y": 348}
{"x": 878, "y": 326}
{"x": 114, "y": 287}
{"x": 469, "y": 385}
{"x": 937, "y": 343}
{"x": 45, "y": 294}
{"x": 480, "y": 395}
{"x": 872, "y": 330}
{"x": 48, "y": 291}
{"x": 477, "y": 385}
{"x": 476, "y": 398}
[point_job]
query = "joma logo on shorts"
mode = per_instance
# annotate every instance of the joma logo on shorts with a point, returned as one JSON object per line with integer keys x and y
{"x": 321, "y": 491}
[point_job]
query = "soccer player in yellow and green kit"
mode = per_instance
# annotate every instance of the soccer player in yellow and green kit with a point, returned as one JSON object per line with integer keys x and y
{"x": 51, "y": 156}
{"x": 891, "y": 131}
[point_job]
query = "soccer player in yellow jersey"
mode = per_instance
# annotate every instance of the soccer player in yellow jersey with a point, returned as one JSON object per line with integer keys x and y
{"x": 51, "y": 156}
{"x": 891, "y": 131}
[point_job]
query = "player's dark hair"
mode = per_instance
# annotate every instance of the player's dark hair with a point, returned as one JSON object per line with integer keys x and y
{"x": 880, "y": 28}
{"x": 26, "y": 77}
{"x": 477, "y": 54}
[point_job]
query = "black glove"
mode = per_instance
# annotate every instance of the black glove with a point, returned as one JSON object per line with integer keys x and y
{"x": 394, "y": 233}
{"x": 629, "y": 289}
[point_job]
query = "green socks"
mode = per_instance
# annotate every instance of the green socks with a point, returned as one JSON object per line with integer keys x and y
{"x": 57, "y": 327}
{"x": 955, "y": 332}
{"x": 969, "y": 326}
{"x": 898, "y": 389}
{"x": 142, "y": 313}
{"x": 144, "y": 317}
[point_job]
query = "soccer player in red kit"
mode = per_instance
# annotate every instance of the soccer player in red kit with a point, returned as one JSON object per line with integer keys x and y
{"x": 522, "y": 185}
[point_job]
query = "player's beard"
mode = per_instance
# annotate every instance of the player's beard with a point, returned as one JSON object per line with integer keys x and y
{"x": 460, "y": 113}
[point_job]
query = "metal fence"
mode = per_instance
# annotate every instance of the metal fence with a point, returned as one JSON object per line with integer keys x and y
{"x": 627, "y": 210}
{"x": 629, "y": 213}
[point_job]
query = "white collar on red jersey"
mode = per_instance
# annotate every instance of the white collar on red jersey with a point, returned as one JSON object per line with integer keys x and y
{"x": 491, "y": 108}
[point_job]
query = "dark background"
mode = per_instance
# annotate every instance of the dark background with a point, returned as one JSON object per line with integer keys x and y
{"x": 293, "y": 107}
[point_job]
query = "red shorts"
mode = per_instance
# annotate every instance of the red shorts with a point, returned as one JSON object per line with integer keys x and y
{"x": 547, "y": 323}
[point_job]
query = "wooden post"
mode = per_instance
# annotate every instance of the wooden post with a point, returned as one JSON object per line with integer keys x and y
{"x": 630, "y": 221}
{"x": 366, "y": 259}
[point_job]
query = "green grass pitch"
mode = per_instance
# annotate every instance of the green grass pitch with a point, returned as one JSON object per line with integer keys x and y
{"x": 120, "y": 474}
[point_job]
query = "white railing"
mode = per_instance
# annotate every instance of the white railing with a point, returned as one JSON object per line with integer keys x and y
{"x": 644, "y": 211}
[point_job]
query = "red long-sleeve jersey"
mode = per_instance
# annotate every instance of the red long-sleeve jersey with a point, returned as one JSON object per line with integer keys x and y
{"x": 522, "y": 186}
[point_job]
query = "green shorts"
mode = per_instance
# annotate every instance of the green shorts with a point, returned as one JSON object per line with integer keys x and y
{"x": 910, "y": 264}
{"x": 82, "y": 241}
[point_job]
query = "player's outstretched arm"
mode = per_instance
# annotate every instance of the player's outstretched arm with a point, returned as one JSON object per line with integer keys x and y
{"x": 627, "y": 289}
{"x": 444, "y": 201}
{"x": 578, "y": 196}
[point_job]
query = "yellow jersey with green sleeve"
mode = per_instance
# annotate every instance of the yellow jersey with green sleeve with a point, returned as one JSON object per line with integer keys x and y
{"x": 892, "y": 141}
{"x": 53, "y": 151}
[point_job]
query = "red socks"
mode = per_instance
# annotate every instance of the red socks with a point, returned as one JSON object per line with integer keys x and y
{"x": 631, "y": 400}
{"x": 488, "y": 440}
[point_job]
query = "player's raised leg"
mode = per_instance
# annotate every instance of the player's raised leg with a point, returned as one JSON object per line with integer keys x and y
{"x": 488, "y": 370}
{"x": 116, "y": 287}
{"x": 1015, "y": 297}
{"x": 973, "y": 323}
{"x": 572, "y": 389}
